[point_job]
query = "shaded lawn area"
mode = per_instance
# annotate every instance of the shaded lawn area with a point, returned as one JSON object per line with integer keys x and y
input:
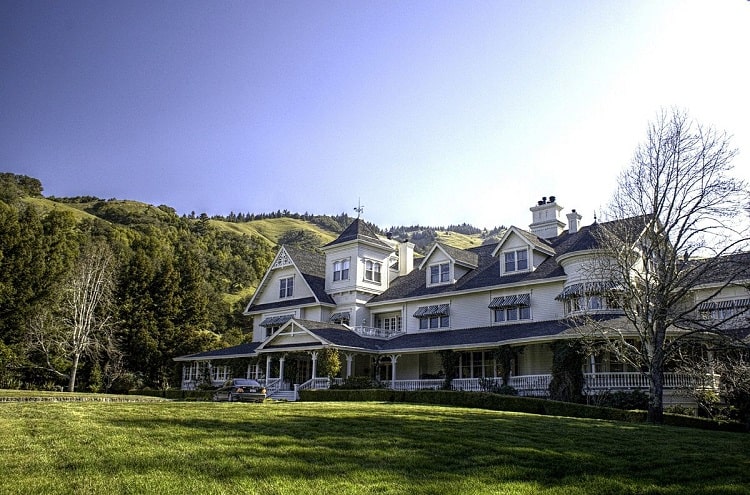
{"x": 338, "y": 448}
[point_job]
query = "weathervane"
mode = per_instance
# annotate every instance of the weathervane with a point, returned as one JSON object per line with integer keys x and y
{"x": 360, "y": 208}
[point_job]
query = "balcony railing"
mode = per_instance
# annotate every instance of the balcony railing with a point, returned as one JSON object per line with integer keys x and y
{"x": 377, "y": 333}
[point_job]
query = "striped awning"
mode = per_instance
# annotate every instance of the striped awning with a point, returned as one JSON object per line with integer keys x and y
{"x": 273, "y": 321}
{"x": 434, "y": 310}
{"x": 341, "y": 315}
{"x": 510, "y": 301}
{"x": 580, "y": 289}
{"x": 733, "y": 303}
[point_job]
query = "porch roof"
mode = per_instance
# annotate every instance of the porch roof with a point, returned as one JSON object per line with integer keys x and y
{"x": 247, "y": 349}
{"x": 490, "y": 336}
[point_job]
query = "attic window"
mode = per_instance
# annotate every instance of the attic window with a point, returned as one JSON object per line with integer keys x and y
{"x": 286, "y": 287}
{"x": 440, "y": 273}
{"x": 516, "y": 261}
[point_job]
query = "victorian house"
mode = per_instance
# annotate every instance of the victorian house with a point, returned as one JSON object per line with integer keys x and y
{"x": 390, "y": 313}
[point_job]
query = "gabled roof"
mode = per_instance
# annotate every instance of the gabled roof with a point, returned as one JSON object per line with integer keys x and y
{"x": 532, "y": 239}
{"x": 310, "y": 265}
{"x": 461, "y": 257}
{"x": 485, "y": 275}
{"x": 358, "y": 230}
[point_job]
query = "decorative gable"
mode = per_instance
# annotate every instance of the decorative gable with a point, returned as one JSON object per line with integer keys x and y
{"x": 521, "y": 251}
{"x": 445, "y": 264}
{"x": 291, "y": 334}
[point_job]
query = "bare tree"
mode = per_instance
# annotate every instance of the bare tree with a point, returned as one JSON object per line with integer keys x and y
{"x": 87, "y": 294}
{"x": 678, "y": 227}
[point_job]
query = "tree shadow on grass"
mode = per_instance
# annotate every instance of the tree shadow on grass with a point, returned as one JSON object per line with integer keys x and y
{"x": 426, "y": 448}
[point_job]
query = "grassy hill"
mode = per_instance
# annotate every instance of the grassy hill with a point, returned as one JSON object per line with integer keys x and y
{"x": 272, "y": 229}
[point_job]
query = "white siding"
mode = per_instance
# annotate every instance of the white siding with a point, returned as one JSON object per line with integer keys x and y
{"x": 270, "y": 291}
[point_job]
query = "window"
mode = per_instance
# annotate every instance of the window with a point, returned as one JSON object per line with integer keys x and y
{"x": 436, "y": 316}
{"x": 513, "y": 313}
{"x": 220, "y": 373}
{"x": 511, "y": 308}
{"x": 440, "y": 274}
{"x": 516, "y": 261}
{"x": 372, "y": 271}
{"x": 434, "y": 322}
{"x": 341, "y": 270}
{"x": 286, "y": 287}
{"x": 392, "y": 323}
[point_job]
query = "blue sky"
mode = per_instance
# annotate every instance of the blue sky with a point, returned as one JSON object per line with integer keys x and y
{"x": 431, "y": 112}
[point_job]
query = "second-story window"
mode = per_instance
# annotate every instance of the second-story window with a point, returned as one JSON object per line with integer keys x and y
{"x": 440, "y": 274}
{"x": 372, "y": 271}
{"x": 341, "y": 270}
{"x": 516, "y": 261}
{"x": 286, "y": 287}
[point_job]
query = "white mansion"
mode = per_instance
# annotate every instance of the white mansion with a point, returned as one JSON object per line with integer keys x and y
{"x": 390, "y": 314}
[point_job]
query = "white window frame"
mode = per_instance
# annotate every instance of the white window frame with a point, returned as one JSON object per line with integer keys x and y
{"x": 511, "y": 314}
{"x": 511, "y": 259}
{"x": 432, "y": 322}
{"x": 373, "y": 271}
{"x": 286, "y": 287}
{"x": 442, "y": 271}
{"x": 341, "y": 269}
{"x": 220, "y": 373}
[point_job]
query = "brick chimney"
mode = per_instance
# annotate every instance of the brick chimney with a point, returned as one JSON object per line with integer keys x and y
{"x": 546, "y": 218}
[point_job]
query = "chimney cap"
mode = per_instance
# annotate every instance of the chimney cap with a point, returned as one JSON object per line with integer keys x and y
{"x": 551, "y": 199}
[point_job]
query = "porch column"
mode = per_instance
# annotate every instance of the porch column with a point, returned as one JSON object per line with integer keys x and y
{"x": 268, "y": 368}
{"x": 314, "y": 355}
{"x": 349, "y": 360}
{"x": 592, "y": 361}
{"x": 281, "y": 369}
{"x": 394, "y": 359}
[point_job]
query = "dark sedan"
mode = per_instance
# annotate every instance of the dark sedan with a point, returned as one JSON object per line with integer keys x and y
{"x": 240, "y": 390}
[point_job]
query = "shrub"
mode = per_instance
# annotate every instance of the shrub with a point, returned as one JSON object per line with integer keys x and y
{"x": 623, "y": 399}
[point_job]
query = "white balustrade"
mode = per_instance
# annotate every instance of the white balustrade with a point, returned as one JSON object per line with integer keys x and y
{"x": 377, "y": 333}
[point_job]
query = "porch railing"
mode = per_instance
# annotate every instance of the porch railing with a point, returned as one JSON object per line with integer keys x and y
{"x": 272, "y": 385}
{"x": 413, "y": 384}
{"x": 319, "y": 383}
{"x": 526, "y": 385}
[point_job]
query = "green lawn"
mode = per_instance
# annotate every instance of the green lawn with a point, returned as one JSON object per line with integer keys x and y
{"x": 339, "y": 448}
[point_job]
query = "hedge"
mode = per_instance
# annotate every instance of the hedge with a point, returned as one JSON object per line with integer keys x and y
{"x": 496, "y": 402}
{"x": 175, "y": 394}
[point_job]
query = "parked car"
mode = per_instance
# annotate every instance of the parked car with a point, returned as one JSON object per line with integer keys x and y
{"x": 240, "y": 390}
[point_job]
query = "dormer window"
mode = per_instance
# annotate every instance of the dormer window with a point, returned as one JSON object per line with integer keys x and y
{"x": 440, "y": 273}
{"x": 516, "y": 261}
{"x": 341, "y": 270}
{"x": 372, "y": 271}
{"x": 286, "y": 287}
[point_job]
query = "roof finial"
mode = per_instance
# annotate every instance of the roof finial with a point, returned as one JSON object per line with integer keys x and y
{"x": 360, "y": 208}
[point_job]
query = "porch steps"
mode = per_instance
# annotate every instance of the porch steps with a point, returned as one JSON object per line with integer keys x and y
{"x": 287, "y": 395}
